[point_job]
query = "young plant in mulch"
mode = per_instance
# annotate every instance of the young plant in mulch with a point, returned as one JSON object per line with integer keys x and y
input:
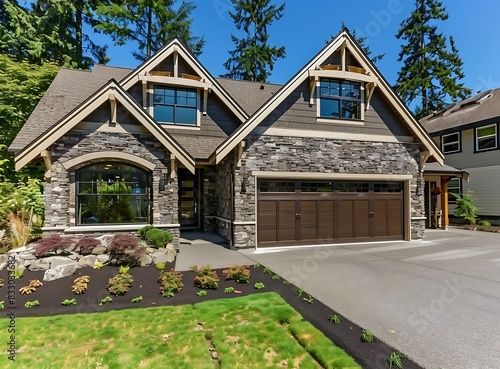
{"x": 52, "y": 245}
{"x": 137, "y": 299}
{"x": 80, "y": 285}
{"x": 335, "y": 319}
{"x": 238, "y": 273}
{"x": 30, "y": 304}
{"x": 396, "y": 360}
{"x": 206, "y": 278}
{"x": 2, "y": 305}
{"x": 170, "y": 283}
{"x": 120, "y": 283}
{"x": 31, "y": 287}
{"x": 69, "y": 302}
{"x": 367, "y": 336}
{"x": 202, "y": 293}
{"x": 1, "y": 283}
{"x": 105, "y": 300}
{"x": 309, "y": 299}
{"x": 259, "y": 285}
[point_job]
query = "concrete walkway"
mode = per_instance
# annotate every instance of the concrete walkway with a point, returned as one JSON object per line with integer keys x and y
{"x": 200, "y": 248}
{"x": 436, "y": 300}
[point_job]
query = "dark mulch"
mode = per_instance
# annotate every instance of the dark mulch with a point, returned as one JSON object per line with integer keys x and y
{"x": 345, "y": 335}
{"x": 476, "y": 227}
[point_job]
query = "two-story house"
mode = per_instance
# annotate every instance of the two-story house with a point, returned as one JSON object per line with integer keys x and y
{"x": 468, "y": 134}
{"x": 331, "y": 156}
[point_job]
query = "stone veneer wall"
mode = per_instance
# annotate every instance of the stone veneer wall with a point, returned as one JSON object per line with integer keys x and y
{"x": 318, "y": 155}
{"x": 60, "y": 197}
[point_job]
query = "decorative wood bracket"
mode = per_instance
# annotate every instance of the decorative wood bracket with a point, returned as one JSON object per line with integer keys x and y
{"x": 47, "y": 159}
{"x": 145, "y": 95}
{"x": 173, "y": 166}
{"x": 206, "y": 90}
{"x": 312, "y": 85}
{"x": 112, "y": 101}
{"x": 239, "y": 153}
{"x": 424, "y": 155}
{"x": 370, "y": 88}
{"x": 176, "y": 62}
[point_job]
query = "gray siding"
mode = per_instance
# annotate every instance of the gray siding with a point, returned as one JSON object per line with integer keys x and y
{"x": 295, "y": 113}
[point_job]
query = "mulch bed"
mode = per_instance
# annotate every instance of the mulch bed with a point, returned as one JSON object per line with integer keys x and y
{"x": 345, "y": 335}
{"x": 476, "y": 227}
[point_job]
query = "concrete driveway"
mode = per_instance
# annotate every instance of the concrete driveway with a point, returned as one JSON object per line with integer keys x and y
{"x": 436, "y": 300}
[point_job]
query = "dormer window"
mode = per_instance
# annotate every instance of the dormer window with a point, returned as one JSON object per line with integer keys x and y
{"x": 340, "y": 99}
{"x": 175, "y": 105}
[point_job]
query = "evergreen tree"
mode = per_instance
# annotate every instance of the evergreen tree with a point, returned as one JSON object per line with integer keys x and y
{"x": 432, "y": 67}
{"x": 253, "y": 58}
{"x": 150, "y": 23}
{"x": 50, "y": 30}
{"x": 361, "y": 40}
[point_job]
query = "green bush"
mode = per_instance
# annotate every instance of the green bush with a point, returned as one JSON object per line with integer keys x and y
{"x": 484, "y": 223}
{"x": 158, "y": 238}
{"x": 207, "y": 278}
{"x": 465, "y": 208}
{"x": 141, "y": 232}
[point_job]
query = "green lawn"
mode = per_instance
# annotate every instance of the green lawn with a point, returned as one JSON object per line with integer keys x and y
{"x": 256, "y": 331}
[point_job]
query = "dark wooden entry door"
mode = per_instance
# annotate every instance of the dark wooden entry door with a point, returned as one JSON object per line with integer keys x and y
{"x": 188, "y": 198}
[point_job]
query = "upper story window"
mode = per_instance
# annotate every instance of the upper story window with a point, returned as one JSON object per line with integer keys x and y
{"x": 175, "y": 105}
{"x": 486, "y": 138}
{"x": 450, "y": 143}
{"x": 340, "y": 99}
{"x": 454, "y": 190}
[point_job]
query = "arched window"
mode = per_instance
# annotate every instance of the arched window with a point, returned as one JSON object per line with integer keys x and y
{"x": 112, "y": 193}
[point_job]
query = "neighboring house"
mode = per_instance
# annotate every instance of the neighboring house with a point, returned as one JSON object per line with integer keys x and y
{"x": 468, "y": 134}
{"x": 331, "y": 156}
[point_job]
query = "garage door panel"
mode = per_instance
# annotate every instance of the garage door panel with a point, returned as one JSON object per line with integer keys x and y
{"x": 394, "y": 217}
{"x": 345, "y": 218}
{"x": 286, "y": 220}
{"x": 379, "y": 221}
{"x": 267, "y": 218}
{"x": 325, "y": 219}
{"x": 361, "y": 218}
{"x": 308, "y": 220}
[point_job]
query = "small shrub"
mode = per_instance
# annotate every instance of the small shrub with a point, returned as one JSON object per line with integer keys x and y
{"x": 300, "y": 291}
{"x": 27, "y": 290}
{"x": 35, "y": 283}
{"x": 1, "y": 282}
{"x": 120, "y": 284}
{"x": 160, "y": 266}
{"x": 2, "y": 305}
{"x": 80, "y": 285}
{"x": 309, "y": 299}
{"x": 238, "y": 273}
{"x": 30, "y": 304}
{"x": 484, "y": 223}
{"x": 256, "y": 265}
{"x": 158, "y": 238}
{"x": 396, "y": 359}
{"x": 52, "y": 245}
{"x": 170, "y": 282}
{"x": 335, "y": 319}
{"x": 123, "y": 242}
{"x": 141, "y": 232}
{"x": 193, "y": 268}
{"x": 267, "y": 271}
{"x": 106, "y": 300}
{"x": 20, "y": 227}
{"x": 285, "y": 282}
{"x": 98, "y": 265}
{"x": 229, "y": 290}
{"x": 202, "y": 293}
{"x": 465, "y": 207}
{"x": 136, "y": 299}
{"x": 207, "y": 278}
{"x": 367, "y": 336}
{"x": 18, "y": 273}
{"x": 85, "y": 245}
{"x": 68, "y": 302}
{"x": 276, "y": 277}
{"x": 123, "y": 269}
{"x": 259, "y": 285}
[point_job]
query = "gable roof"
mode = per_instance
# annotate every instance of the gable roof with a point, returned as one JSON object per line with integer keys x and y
{"x": 68, "y": 89}
{"x": 176, "y": 46}
{"x": 57, "y": 130}
{"x": 344, "y": 37}
{"x": 480, "y": 109}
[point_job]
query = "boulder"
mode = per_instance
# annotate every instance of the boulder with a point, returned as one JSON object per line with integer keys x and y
{"x": 39, "y": 264}
{"x": 88, "y": 260}
{"x": 59, "y": 272}
{"x": 27, "y": 256}
{"x": 104, "y": 258}
{"x": 159, "y": 257}
{"x": 144, "y": 260}
{"x": 74, "y": 256}
{"x": 170, "y": 253}
{"x": 56, "y": 261}
{"x": 3, "y": 261}
{"x": 99, "y": 250}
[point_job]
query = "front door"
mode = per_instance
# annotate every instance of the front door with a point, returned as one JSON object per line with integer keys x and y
{"x": 189, "y": 198}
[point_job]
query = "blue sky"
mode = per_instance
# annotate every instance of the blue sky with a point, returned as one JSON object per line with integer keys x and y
{"x": 306, "y": 25}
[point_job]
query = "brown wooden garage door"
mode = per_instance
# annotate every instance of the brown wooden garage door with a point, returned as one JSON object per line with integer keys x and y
{"x": 306, "y": 212}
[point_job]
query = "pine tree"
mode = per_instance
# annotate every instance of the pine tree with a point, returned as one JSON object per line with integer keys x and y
{"x": 361, "y": 40}
{"x": 432, "y": 67}
{"x": 50, "y": 30}
{"x": 150, "y": 23}
{"x": 253, "y": 58}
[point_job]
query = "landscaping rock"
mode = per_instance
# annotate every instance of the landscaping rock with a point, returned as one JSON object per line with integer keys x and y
{"x": 27, "y": 256}
{"x": 39, "y": 264}
{"x": 59, "y": 272}
{"x": 3, "y": 261}
{"x": 145, "y": 260}
{"x": 103, "y": 258}
{"x": 151, "y": 250}
{"x": 74, "y": 256}
{"x": 57, "y": 261}
{"x": 159, "y": 257}
{"x": 88, "y": 260}
{"x": 170, "y": 253}
{"x": 99, "y": 250}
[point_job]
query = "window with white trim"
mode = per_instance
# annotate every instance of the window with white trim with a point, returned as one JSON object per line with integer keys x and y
{"x": 340, "y": 99}
{"x": 486, "y": 138}
{"x": 175, "y": 105}
{"x": 450, "y": 143}
{"x": 454, "y": 188}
